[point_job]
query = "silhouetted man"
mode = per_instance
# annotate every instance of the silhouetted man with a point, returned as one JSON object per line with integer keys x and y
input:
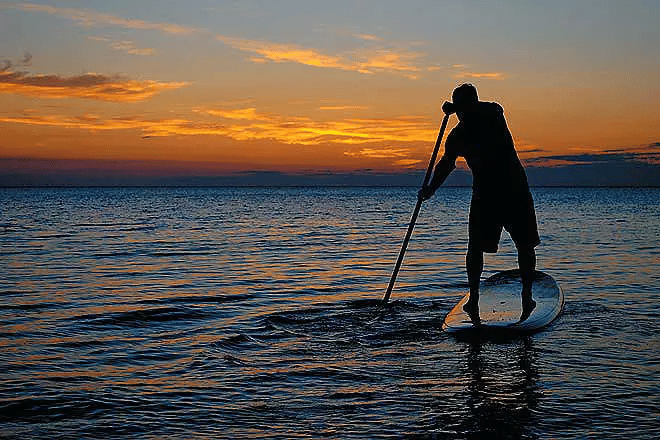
{"x": 500, "y": 193}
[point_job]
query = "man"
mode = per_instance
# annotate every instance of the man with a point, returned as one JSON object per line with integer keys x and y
{"x": 500, "y": 192}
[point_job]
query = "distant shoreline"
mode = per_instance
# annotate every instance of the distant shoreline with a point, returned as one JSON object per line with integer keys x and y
{"x": 620, "y": 174}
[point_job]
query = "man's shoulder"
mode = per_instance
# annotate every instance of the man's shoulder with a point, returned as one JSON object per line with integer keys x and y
{"x": 491, "y": 106}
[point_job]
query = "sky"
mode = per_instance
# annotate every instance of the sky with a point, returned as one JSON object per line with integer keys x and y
{"x": 340, "y": 92}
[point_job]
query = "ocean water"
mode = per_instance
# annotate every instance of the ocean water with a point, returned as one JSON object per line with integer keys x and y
{"x": 252, "y": 313}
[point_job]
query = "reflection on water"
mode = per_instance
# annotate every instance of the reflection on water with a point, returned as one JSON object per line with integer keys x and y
{"x": 242, "y": 313}
{"x": 503, "y": 391}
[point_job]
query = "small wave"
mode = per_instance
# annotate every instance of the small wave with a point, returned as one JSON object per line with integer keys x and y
{"x": 360, "y": 322}
{"x": 12, "y": 227}
{"x": 233, "y": 360}
{"x": 95, "y": 225}
{"x": 48, "y": 409}
{"x": 359, "y": 311}
{"x": 28, "y": 306}
{"x": 141, "y": 316}
{"x": 236, "y": 340}
{"x": 201, "y": 299}
{"x": 50, "y": 235}
{"x": 137, "y": 228}
{"x": 352, "y": 395}
{"x": 109, "y": 225}
{"x": 182, "y": 253}
{"x": 297, "y": 317}
{"x": 113, "y": 254}
{"x": 582, "y": 308}
{"x": 358, "y": 304}
{"x": 82, "y": 343}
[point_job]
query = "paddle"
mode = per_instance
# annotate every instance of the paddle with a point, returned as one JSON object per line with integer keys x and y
{"x": 413, "y": 218}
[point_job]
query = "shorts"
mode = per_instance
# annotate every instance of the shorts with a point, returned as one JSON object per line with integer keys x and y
{"x": 515, "y": 213}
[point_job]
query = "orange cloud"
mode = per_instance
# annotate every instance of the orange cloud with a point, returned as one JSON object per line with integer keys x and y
{"x": 283, "y": 52}
{"x": 343, "y": 32}
{"x": 124, "y": 46}
{"x": 380, "y": 153}
{"x": 368, "y": 37}
{"x": 379, "y": 61}
{"x": 239, "y": 114}
{"x": 94, "y": 123}
{"x": 90, "y": 18}
{"x": 88, "y": 85}
{"x": 407, "y": 163}
{"x": 343, "y": 107}
{"x": 387, "y": 60}
{"x": 130, "y": 48}
{"x": 401, "y": 156}
{"x": 478, "y": 75}
{"x": 239, "y": 125}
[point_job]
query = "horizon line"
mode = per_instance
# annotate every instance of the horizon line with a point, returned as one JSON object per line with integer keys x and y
{"x": 61, "y": 186}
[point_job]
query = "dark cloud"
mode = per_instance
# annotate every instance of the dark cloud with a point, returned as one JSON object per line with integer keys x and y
{"x": 648, "y": 154}
{"x": 612, "y": 168}
{"x": 7, "y": 64}
{"x": 27, "y": 59}
{"x": 88, "y": 85}
{"x": 84, "y": 80}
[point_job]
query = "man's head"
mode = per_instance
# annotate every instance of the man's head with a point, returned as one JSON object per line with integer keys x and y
{"x": 464, "y": 97}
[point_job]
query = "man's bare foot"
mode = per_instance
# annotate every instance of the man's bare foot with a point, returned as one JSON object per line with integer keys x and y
{"x": 528, "y": 305}
{"x": 471, "y": 307}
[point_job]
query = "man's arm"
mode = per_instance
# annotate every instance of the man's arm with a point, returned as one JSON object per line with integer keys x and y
{"x": 444, "y": 167}
{"x": 442, "y": 170}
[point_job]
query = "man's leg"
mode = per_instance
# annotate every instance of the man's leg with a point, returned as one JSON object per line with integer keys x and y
{"x": 474, "y": 263}
{"x": 527, "y": 265}
{"x": 523, "y": 229}
{"x": 474, "y": 260}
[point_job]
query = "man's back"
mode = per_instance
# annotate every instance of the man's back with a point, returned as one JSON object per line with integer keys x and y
{"x": 483, "y": 139}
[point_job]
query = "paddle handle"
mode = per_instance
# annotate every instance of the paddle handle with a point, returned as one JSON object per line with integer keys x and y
{"x": 415, "y": 214}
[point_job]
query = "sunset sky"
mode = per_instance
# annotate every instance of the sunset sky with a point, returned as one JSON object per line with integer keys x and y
{"x": 224, "y": 88}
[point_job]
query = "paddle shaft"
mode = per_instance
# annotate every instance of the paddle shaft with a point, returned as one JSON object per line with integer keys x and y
{"x": 415, "y": 214}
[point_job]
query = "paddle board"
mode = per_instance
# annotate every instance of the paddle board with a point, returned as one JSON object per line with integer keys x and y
{"x": 500, "y": 305}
